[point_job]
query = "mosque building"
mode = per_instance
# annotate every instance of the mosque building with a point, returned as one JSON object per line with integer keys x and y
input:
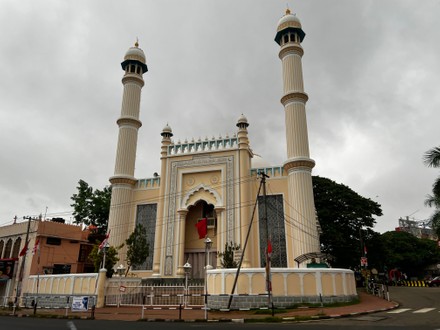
{"x": 215, "y": 183}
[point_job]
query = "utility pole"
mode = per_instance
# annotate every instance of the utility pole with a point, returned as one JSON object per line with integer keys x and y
{"x": 20, "y": 275}
{"x": 268, "y": 244}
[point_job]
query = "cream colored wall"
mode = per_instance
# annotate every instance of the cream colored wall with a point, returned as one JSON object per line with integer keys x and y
{"x": 285, "y": 281}
{"x": 62, "y": 284}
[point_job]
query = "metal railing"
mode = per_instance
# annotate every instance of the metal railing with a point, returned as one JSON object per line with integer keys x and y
{"x": 154, "y": 295}
{"x": 379, "y": 290}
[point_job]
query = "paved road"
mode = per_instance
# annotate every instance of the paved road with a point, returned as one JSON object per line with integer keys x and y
{"x": 419, "y": 309}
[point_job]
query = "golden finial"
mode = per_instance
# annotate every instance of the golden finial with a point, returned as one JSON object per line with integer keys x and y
{"x": 287, "y": 11}
{"x": 136, "y": 44}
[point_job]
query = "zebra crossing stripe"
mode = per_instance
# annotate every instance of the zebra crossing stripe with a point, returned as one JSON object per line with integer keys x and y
{"x": 399, "y": 310}
{"x": 424, "y": 310}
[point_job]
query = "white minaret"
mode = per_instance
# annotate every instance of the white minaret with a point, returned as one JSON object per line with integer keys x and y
{"x": 301, "y": 206}
{"x": 121, "y": 221}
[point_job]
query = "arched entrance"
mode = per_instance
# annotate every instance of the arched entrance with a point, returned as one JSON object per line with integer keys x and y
{"x": 195, "y": 246}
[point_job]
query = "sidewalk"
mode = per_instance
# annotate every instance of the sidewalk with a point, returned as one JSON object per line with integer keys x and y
{"x": 367, "y": 304}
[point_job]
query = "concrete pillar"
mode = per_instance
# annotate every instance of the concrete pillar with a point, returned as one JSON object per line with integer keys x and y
{"x": 100, "y": 288}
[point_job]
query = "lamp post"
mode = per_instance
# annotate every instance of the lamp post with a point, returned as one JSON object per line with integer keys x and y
{"x": 187, "y": 268}
{"x": 106, "y": 247}
{"x": 120, "y": 270}
{"x": 208, "y": 244}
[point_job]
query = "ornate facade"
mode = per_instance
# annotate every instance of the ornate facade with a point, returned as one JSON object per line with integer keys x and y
{"x": 217, "y": 179}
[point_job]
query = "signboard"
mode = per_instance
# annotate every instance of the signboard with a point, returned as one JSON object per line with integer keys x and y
{"x": 122, "y": 288}
{"x": 80, "y": 304}
{"x": 6, "y": 268}
{"x": 364, "y": 262}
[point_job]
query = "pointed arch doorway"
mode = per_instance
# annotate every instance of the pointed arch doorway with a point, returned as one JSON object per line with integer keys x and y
{"x": 194, "y": 251}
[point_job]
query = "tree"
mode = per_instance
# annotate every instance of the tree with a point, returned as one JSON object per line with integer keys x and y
{"x": 432, "y": 159}
{"x": 92, "y": 207}
{"x": 228, "y": 255}
{"x": 408, "y": 253}
{"x": 345, "y": 218}
{"x": 111, "y": 259}
{"x": 137, "y": 247}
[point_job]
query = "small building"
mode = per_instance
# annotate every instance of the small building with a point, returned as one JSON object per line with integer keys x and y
{"x": 54, "y": 247}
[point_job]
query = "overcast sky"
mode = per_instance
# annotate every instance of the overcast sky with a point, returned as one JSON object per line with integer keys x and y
{"x": 371, "y": 70}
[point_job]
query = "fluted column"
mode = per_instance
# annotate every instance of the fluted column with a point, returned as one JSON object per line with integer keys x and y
{"x": 181, "y": 244}
{"x": 160, "y": 230}
{"x": 221, "y": 228}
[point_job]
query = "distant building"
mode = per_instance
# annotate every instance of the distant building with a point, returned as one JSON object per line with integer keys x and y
{"x": 53, "y": 248}
{"x": 420, "y": 229}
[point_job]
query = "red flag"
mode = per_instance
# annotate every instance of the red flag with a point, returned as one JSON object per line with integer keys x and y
{"x": 202, "y": 228}
{"x": 24, "y": 250}
{"x": 269, "y": 248}
{"x": 36, "y": 247}
{"x": 104, "y": 241}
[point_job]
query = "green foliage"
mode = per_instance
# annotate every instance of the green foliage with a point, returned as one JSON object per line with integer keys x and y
{"x": 91, "y": 207}
{"x": 111, "y": 259}
{"x": 228, "y": 255}
{"x": 137, "y": 247}
{"x": 408, "y": 253}
{"x": 432, "y": 159}
{"x": 344, "y": 216}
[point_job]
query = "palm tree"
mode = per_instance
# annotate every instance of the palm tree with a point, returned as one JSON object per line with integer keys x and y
{"x": 432, "y": 159}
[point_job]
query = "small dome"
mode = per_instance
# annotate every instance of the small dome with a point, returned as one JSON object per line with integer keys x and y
{"x": 288, "y": 20}
{"x": 242, "y": 120}
{"x": 135, "y": 54}
{"x": 167, "y": 131}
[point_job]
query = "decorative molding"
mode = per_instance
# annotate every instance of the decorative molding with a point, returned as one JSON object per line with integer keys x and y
{"x": 289, "y": 24}
{"x": 306, "y": 164}
{"x": 133, "y": 78}
{"x": 219, "y": 201}
{"x": 122, "y": 180}
{"x": 214, "y": 179}
{"x": 129, "y": 121}
{"x": 294, "y": 96}
{"x": 190, "y": 181}
{"x": 293, "y": 49}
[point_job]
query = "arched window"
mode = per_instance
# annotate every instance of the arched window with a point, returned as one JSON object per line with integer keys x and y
{"x": 8, "y": 248}
{"x": 2, "y": 245}
{"x": 16, "y": 249}
{"x": 293, "y": 37}
{"x": 286, "y": 38}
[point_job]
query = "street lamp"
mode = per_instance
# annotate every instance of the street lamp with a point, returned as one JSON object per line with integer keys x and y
{"x": 120, "y": 270}
{"x": 187, "y": 268}
{"x": 208, "y": 244}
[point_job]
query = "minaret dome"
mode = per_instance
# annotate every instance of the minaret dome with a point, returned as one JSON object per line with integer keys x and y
{"x": 242, "y": 121}
{"x": 289, "y": 23}
{"x": 166, "y": 131}
{"x": 135, "y": 55}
